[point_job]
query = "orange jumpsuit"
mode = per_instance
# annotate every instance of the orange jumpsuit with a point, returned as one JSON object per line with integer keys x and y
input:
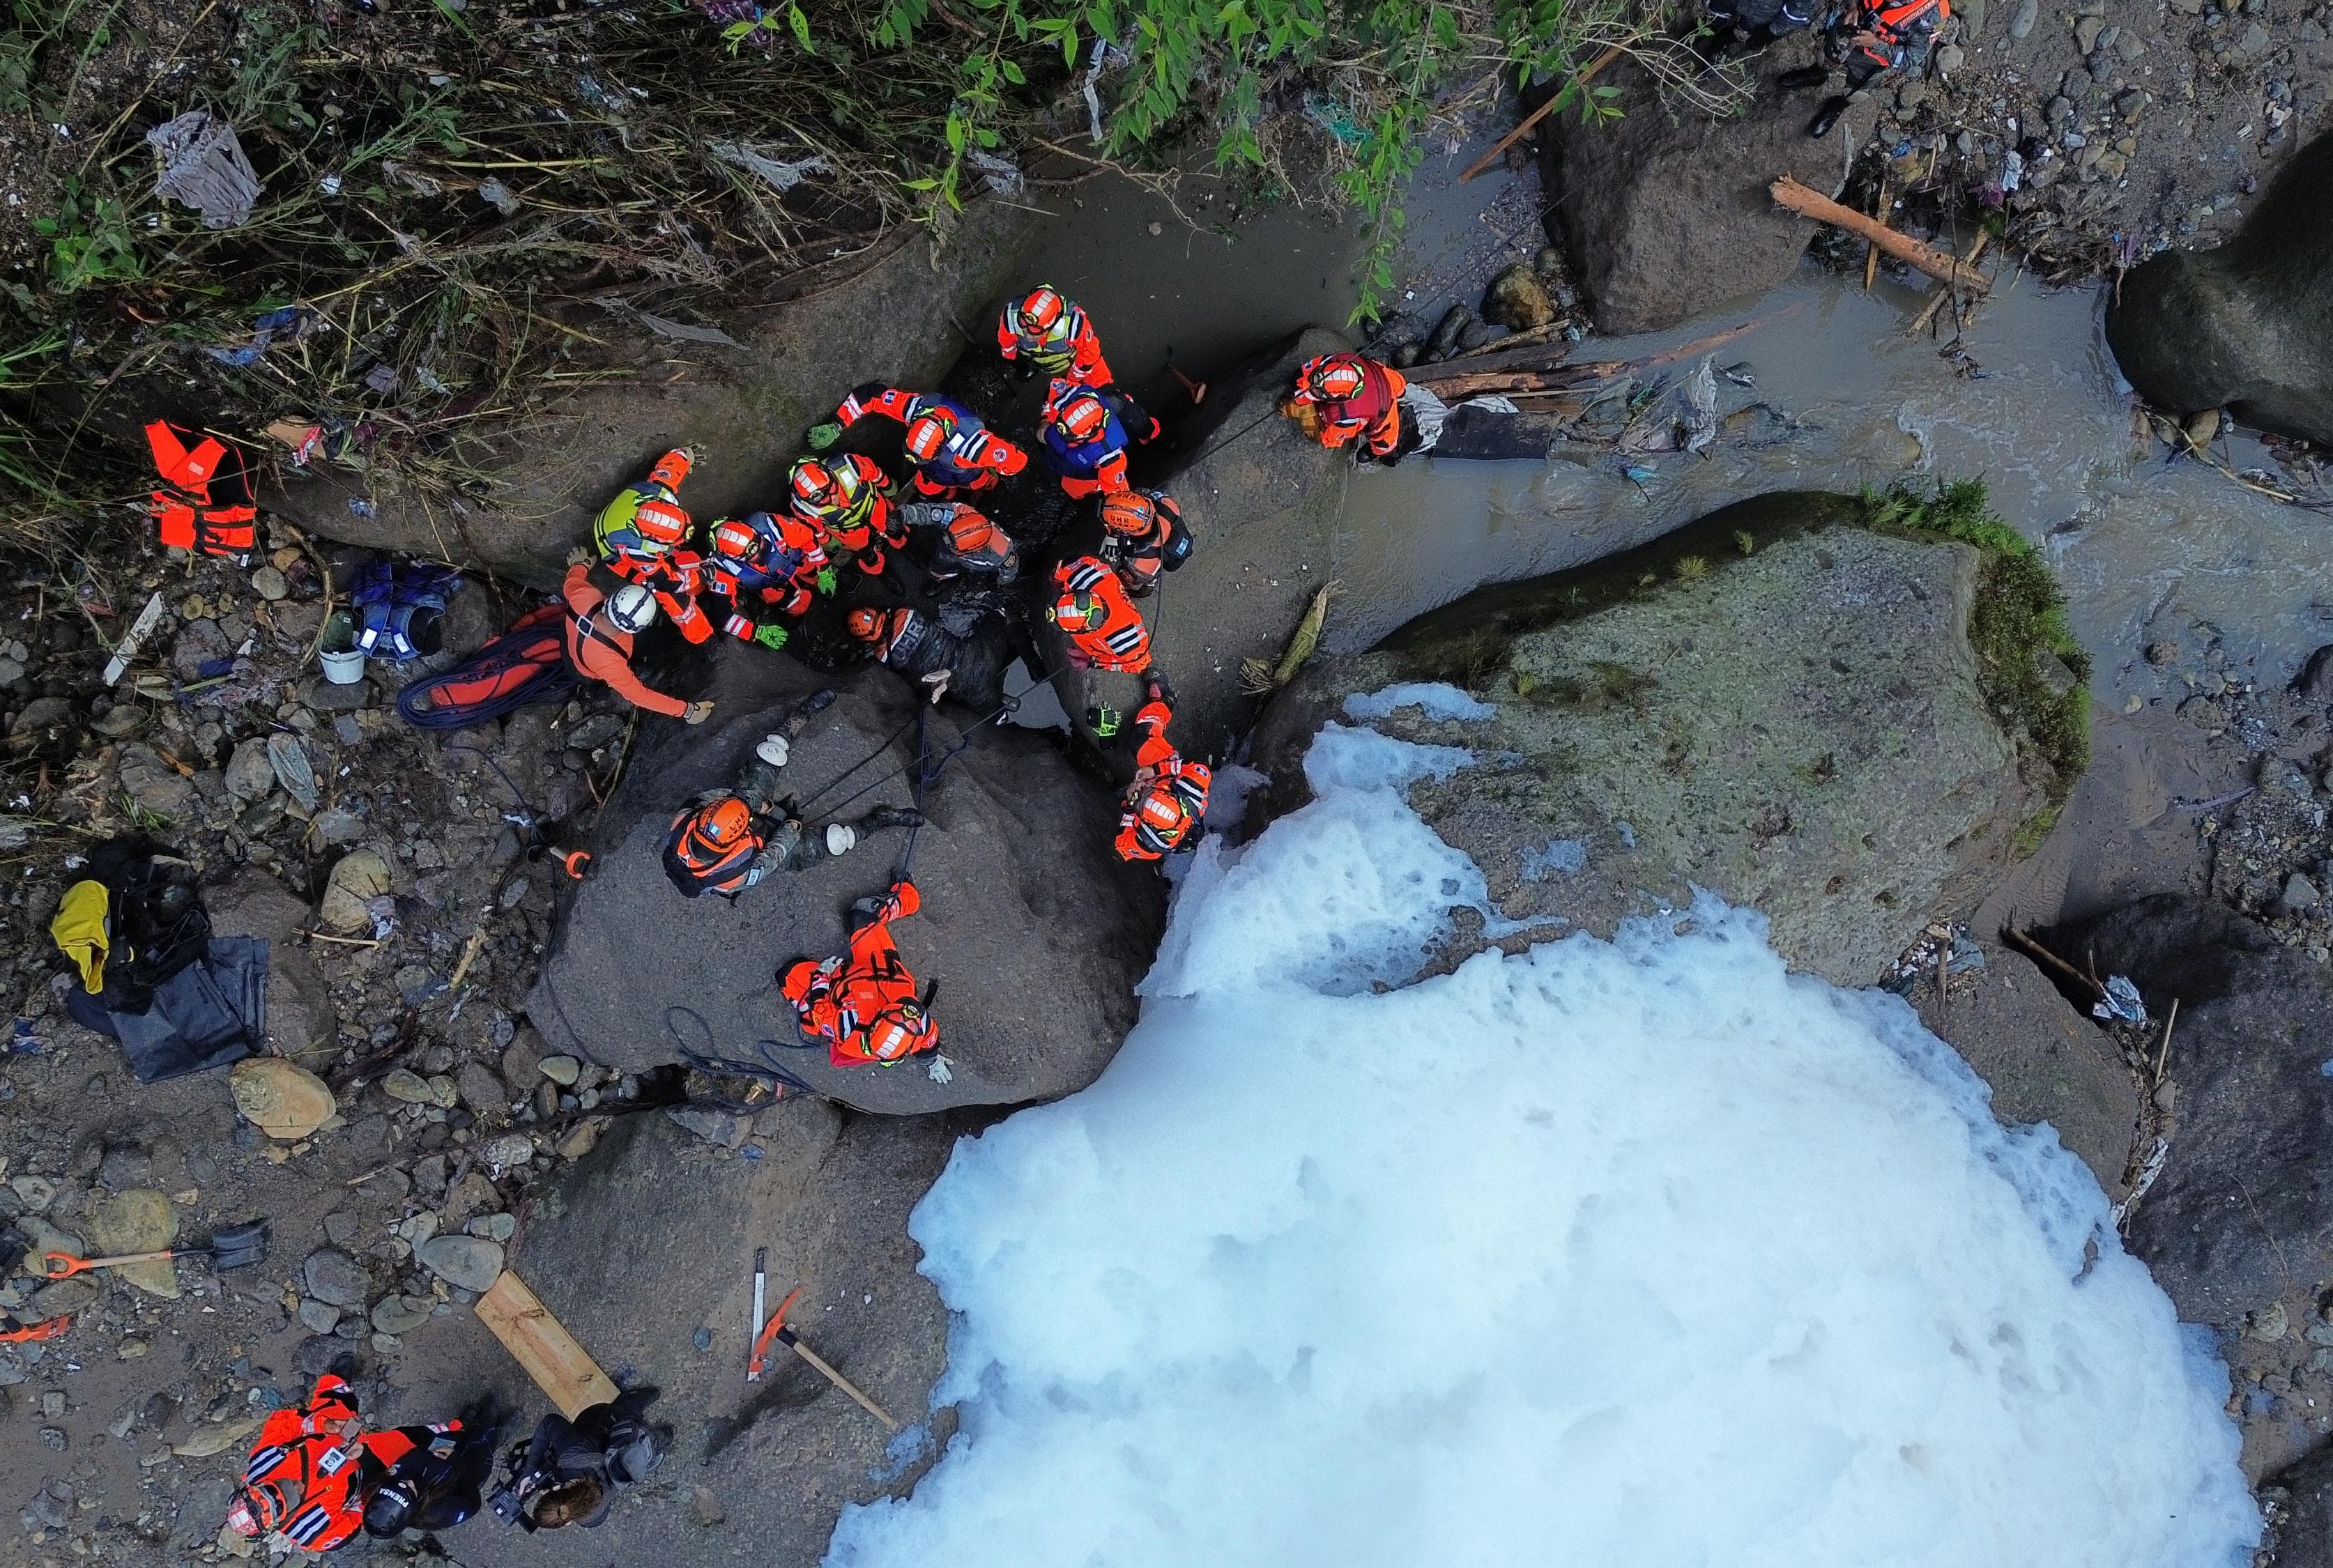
{"x": 1373, "y": 414}
{"x": 301, "y": 1455}
{"x": 600, "y": 652}
{"x": 1110, "y": 634}
{"x": 1161, "y": 809}
{"x": 863, "y": 1003}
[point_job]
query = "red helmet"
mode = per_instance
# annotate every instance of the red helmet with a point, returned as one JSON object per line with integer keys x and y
{"x": 824, "y": 492}
{"x": 1335, "y": 377}
{"x": 660, "y": 521}
{"x": 1082, "y": 416}
{"x": 1042, "y": 309}
{"x": 259, "y": 1508}
{"x": 737, "y": 538}
{"x": 866, "y": 624}
{"x": 929, "y": 432}
{"x": 1130, "y": 512}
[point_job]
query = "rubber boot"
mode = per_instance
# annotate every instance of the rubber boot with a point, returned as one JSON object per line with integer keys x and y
{"x": 1804, "y": 77}
{"x": 884, "y": 817}
{"x": 1827, "y": 116}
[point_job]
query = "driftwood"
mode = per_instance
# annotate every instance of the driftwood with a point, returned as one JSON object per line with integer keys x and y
{"x": 1928, "y": 312}
{"x": 1936, "y": 263}
{"x": 1523, "y": 129}
{"x": 1532, "y": 370}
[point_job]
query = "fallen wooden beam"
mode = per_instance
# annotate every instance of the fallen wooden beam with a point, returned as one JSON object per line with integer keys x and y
{"x": 1536, "y": 115}
{"x": 541, "y": 1343}
{"x": 1942, "y": 265}
{"x": 1928, "y": 312}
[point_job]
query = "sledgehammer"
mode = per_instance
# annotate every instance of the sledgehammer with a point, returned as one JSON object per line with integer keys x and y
{"x": 776, "y": 1329}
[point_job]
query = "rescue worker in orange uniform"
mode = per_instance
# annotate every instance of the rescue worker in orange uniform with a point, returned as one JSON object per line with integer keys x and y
{"x": 727, "y": 840}
{"x": 1168, "y": 796}
{"x": 1087, "y": 434}
{"x": 300, "y": 1481}
{"x": 863, "y": 1003}
{"x": 1045, "y": 330}
{"x": 602, "y": 627}
{"x": 1354, "y": 398}
{"x": 190, "y": 515}
{"x": 1871, "y": 37}
{"x": 959, "y": 651}
{"x": 1103, "y": 628}
{"x": 763, "y": 565}
{"x": 640, "y": 535}
{"x": 968, "y": 541}
{"x": 1143, "y": 535}
{"x": 952, "y": 448}
{"x": 848, "y": 500}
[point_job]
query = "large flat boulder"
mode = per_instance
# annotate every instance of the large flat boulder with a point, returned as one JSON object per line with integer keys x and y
{"x": 744, "y": 407}
{"x": 2248, "y": 326}
{"x": 1777, "y": 704}
{"x": 1033, "y": 929}
{"x": 1665, "y": 211}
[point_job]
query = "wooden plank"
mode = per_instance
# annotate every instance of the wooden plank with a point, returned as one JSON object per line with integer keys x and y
{"x": 541, "y": 1343}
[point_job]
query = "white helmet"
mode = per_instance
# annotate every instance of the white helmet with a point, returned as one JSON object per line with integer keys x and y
{"x": 631, "y": 608}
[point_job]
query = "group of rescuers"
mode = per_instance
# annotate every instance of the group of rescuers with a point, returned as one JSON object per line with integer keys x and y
{"x": 753, "y": 577}
{"x": 1868, "y": 37}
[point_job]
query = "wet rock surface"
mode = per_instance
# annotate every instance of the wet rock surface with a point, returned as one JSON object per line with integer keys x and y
{"x": 2248, "y": 326}
{"x": 1798, "y": 730}
{"x": 1033, "y": 929}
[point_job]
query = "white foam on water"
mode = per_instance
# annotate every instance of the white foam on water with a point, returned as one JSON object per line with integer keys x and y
{"x": 1639, "y": 1254}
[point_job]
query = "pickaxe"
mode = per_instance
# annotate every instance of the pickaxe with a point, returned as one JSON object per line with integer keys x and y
{"x": 776, "y": 1329}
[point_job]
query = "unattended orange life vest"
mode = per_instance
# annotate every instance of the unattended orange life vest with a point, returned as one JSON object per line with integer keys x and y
{"x": 189, "y": 515}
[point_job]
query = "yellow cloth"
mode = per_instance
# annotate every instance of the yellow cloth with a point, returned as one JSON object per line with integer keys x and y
{"x": 79, "y": 929}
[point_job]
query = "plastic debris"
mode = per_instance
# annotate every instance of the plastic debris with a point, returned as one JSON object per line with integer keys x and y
{"x": 663, "y": 327}
{"x": 288, "y": 323}
{"x": 1701, "y": 406}
{"x": 939, "y": 1071}
{"x": 1001, "y": 175}
{"x": 126, "y": 650}
{"x": 504, "y": 199}
{"x": 782, "y": 174}
{"x": 2120, "y": 1003}
{"x": 294, "y": 770}
{"x": 204, "y": 168}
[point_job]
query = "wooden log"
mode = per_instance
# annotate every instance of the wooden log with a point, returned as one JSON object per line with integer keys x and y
{"x": 1928, "y": 312}
{"x": 1524, "y": 129}
{"x": 1942, "y": 265}
{"x": 541, "y": 1343}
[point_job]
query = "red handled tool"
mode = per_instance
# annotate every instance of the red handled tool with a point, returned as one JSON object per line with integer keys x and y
{"x": 776, "y": 1331}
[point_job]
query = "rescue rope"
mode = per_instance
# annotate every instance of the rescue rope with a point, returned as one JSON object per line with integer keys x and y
{"x": 767, "y": 1069}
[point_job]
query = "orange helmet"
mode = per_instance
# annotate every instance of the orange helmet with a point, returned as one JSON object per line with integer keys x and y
{"x": 822, "y": 491}
{"x": 1335, "y": 377}
{"x": 721, "y": 822}
{"x": 1077, "y": 609}
{"x": 661, "y": 522}
{"x": 258, "y": 1508}
{"x": 735, "y": 538}
{"x": 929, "y": 432}
{"x": 1041, "y": 309}
{"x": 866, "y": 624}
{"x": 1130, "y": 512}
{"x": 1082, "y": 416}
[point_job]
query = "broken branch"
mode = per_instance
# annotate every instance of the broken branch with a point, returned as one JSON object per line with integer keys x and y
{"x": 1813, "y": 203}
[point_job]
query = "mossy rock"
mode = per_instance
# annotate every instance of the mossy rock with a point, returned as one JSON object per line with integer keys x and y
{"x": 1842, "y": 711}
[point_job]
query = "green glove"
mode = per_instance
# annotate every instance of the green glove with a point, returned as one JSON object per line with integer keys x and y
{"x": 772, "y": 636}
{"x": 822, "y": 437}
{"x": 826, "y": 579}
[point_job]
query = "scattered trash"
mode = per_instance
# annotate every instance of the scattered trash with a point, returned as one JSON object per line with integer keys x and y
{"x": 381, "y": 378}
{"x": 204, "y": 168}
{"x": 359, "y": 507}
{"x": 664, "y": 327}
{"x": 24, "y": 1042}
{"x": 301, "y": 437}
{"x": 1739, "y": 374}
{"x": 782, "y": 174}
{"x": 1966, "y": 957}
{"x": 126, "y": 650}
{"x": 940, "y": 1072}
{"x": 1001, "y": 175}
{"x": 294, "y": 770}
{"x": 1332, "y": 117}
{"x": 2119, "y": 1003}
{"x": 1701, "y": 406}
{"x": 287, "y": 323}
{"x": 499, "y": 196}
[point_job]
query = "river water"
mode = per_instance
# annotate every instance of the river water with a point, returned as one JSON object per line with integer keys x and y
{"x": 2146, "y": 549}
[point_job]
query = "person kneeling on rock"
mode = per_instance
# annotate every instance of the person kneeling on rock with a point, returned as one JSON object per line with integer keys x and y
{"x": 863, "y": 1003}
{"x": 1343, "y": 398}
{"x": 727, "y": 840}
{"x": 569, "y": 1472}
{"x": 1872, "y": 37}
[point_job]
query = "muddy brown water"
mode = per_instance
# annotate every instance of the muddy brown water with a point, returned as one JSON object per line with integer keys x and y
{"x": 2146, "y": 549}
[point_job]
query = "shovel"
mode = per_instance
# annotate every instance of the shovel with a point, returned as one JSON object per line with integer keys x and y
{"x": 237, "y": 1247}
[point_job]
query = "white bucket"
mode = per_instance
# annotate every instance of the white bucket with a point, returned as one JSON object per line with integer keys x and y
{"x": 343, "y": 666}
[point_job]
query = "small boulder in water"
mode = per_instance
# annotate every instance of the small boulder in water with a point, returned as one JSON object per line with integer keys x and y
{"x": 1517, "y": 300}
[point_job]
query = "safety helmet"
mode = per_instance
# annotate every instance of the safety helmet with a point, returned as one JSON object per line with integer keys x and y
{"x": 929, "y": 432}
{"x": 1082, "y": 416}
{"x": 824, "y": 490}
{"x": 866, "y": 624}
{"x": 660, "y": 521}
{"x": 1130, "y": 512}
{"x": 738, "y": 538}
{"x": 260, "y": 1507}
{"x": 722, "y": 822}
{"x": 631, "y": 608}
{"x": 1335, "y": 377}
{"x": 389, "y": 1509}
{"x": 1042, "y": 309}
{"x": 1076, "y": 610}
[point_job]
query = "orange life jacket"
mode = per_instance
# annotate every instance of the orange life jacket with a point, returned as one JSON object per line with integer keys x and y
{"x": 1108, "y": 632}
{"x": 190, "y": 517}
{"x": 1374, "y": 412}
{"x": 863, "y": 1003}
{"x": 1157, "y": 819}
